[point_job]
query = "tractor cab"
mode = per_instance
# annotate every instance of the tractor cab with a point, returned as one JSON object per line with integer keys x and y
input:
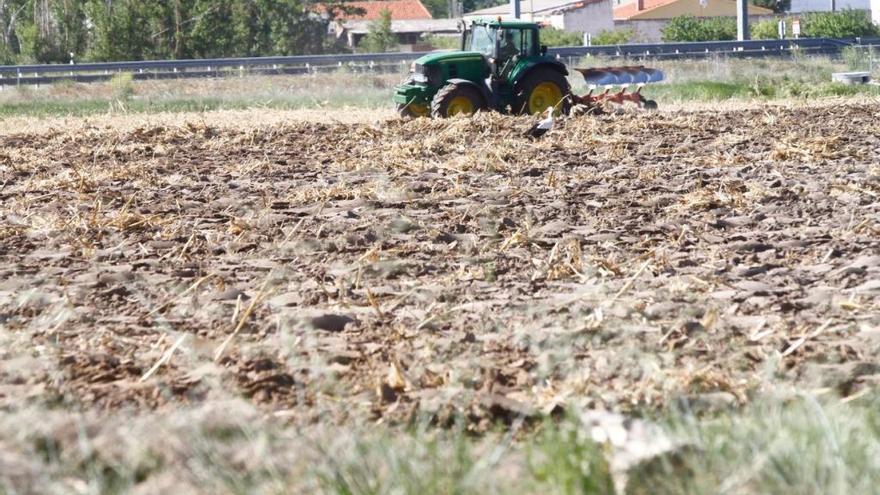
{"x": 503, "y": 43}
{"x": 501, "y": 66}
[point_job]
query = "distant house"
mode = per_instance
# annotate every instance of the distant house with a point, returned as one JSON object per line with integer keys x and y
{"x": 410, "y": 33}
{"x": 583, "y": 16}
{"x": 410, "y": 20}
{"x": 647, "y": 18}
{"x": 800, "y": 6}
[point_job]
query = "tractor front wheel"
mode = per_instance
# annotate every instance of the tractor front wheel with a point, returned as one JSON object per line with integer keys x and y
{"x": 540, "y": 90}
{"x": 455, "y": 99}
{"x": 413, "y": 110}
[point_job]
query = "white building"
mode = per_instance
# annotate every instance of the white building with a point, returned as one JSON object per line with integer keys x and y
{"x": 799, "y": 6}
{"x": 875, "y": 11}
{"x": 581, "y": 16}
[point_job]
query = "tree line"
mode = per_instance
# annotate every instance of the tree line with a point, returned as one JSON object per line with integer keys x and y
{"x": 58, "y": 31}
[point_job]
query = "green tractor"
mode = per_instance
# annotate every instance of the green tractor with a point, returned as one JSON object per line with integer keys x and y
{"x": 501, "y": 66}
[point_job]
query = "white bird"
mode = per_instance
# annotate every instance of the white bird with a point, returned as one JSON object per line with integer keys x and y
{"x": 542, "y": 126}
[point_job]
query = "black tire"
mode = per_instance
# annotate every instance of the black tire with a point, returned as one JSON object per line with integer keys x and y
{"x": 442, "y": 104}
{"x": 523, "y": 90}
{"x": 649, "y": 105}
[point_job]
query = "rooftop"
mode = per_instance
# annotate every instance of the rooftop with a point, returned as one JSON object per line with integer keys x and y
{"x": 408, "y": 26}
{"x": 533, "y": 7}
{"x": 400, "y": 10}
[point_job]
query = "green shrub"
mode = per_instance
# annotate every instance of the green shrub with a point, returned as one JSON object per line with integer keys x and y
{"x": 122, "y": 85}
{"x": 380, "y": 37}
{"x": 557, "y": 37}
{"x": 613, "y": 37}
{"x": 443, "y": 42}
{"x": 846, "y": 23}
{"x": 765, "y": 30}
{"x": 690, "y": 28}
{"x": 860, "y": 57}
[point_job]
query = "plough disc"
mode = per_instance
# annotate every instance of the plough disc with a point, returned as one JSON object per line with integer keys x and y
{"x": 621, "y": 76}
{"x": 617, "y": 76}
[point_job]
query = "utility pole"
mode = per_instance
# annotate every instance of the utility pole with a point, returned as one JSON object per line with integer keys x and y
{"x": 742, "y": 20}
{"x": 514, "y": 9}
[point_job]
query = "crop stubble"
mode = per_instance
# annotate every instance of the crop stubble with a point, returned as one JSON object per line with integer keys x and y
{"x": 352, "y": 272}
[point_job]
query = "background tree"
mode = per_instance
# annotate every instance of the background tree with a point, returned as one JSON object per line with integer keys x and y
{"x": 380, "y": 36}
{"x": 120, "y": 30}
{"x": 10, "y": 13}
{"x": 108, "y": 30}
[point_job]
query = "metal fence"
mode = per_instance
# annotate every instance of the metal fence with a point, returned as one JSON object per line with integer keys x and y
{"x": 168, "y": 69}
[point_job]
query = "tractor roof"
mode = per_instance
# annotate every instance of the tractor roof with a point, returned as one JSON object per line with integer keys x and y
{"x": 505, "y": 23}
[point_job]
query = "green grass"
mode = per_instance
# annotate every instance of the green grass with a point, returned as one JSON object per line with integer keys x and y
{"x": 708, "y": 80}
{"x": 787, "y": 445}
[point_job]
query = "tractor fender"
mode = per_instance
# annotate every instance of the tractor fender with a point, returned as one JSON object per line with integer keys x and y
{"x": 548, "y": 63}
{"x": 484, "y": 91}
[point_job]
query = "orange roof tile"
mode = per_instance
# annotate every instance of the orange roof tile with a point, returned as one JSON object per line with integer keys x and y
{"x": 401, "y": 10}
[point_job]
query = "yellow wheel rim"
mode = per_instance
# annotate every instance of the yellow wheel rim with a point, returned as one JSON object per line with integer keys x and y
{"x": 544, "y": 96}
{"x": 419, "y": 109}
{"x": 460, "y": 104}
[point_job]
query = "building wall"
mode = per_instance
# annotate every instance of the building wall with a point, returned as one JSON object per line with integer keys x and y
{"x": 649, "y": 31}
{"x": 875, "y": 11}
{"x": 556, "y": 20}
{"x": 593, "y": 18}
{"x": 798, "y": 6}
{"x": 713, "y": 8}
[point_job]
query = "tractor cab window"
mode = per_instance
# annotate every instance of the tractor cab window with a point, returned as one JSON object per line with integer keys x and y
{"x": 481, "y": 39}
{"x": 513, "y": 42}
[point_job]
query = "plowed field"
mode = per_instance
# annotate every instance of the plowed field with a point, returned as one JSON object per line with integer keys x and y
{"x": 362, "y": 272}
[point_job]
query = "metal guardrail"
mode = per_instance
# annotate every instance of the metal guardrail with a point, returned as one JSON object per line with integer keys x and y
{"x": 167, "y": 69}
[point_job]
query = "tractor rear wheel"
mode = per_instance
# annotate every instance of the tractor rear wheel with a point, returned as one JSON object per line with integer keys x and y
{"x": 540, "y": 90}
{"x": 454, "y": 99}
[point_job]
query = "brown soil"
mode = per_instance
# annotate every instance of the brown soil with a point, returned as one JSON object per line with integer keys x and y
{"x": 351, "y": 272}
